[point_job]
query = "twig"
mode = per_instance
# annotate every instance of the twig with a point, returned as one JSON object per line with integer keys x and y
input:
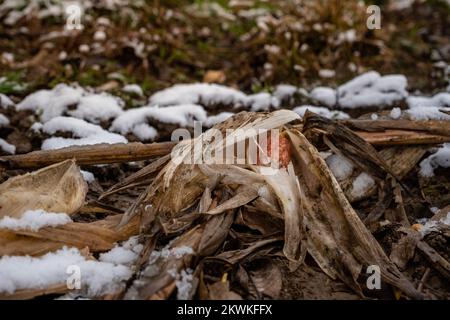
{"x": 89, "y": 155}
{"x": 423, "y": 280}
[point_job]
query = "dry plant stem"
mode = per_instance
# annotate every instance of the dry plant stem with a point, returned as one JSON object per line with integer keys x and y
{"x": 26, "y": 294}
{"x": 89, "y": 155}
{"x": 401, "y": 137}
{"x": 423, "y": 280}
{"x": 438, "y": 262}
{"x": 430, "y": 126}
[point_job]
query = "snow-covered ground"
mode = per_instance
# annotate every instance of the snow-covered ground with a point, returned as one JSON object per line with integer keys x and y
{"x": 90, "y": 117}
{"x": 80, "y": 112}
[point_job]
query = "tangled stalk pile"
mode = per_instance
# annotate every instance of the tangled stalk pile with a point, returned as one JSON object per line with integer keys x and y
{"x": 219, "y": 231}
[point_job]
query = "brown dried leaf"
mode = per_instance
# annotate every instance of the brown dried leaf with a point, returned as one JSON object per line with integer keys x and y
{"x": 337, "y": 238}
{"x": 221, "y": 291}
{"x": 56, "y": 188}
{"x": 267, "y": 278}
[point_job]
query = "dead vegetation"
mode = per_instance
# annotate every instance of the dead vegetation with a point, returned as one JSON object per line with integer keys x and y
{"x": 235, "y": 231}
{"x": 165, "y": 42}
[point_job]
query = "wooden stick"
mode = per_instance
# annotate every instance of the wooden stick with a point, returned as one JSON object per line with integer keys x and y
{"x": 437, "y": 127}
{"x": 136, "y": 151}
{"x": 401, "y": 137}
{"x": 438, "y": 262}
{"x": 89, "y": 155}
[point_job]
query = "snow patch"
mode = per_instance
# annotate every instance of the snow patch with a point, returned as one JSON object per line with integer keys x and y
{"x": 3, "y": 120}
{"x": 439, "y": 159}
{"x": 324, "y": 95}
{"x": 395, "y": 113}
{"x": 284, "y": 91}
{"x": 340, "y": 166}
{"x": 182, "y": 115}
{"x": 88, "y": 176}
{"x": 34, "y": 220}
{"x": 199, "y": 93}
{"x": 87, "y": 133}
{"x": 97, "y": 107}
{"x": 5, "y": 102}
{"x": 7, "y": 147}
{"x": 262, "y": 101}
{"x": 428, "y": 113}
{"x": 371, "y": 89}
{"x": 125, "y": 254}
{"x": 25, "y": 272}
{"x": 432, "y": 225}
{"x": 438, "y": 100}
{"x": 56, "y": 102}
{"x": 134, "y": 89}
{"x": 361, "y": 185}
{"x": 51, "y": 103}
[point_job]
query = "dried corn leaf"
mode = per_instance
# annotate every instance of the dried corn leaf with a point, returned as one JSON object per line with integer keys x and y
{"x": 267, "y": 278}
{"x": 57, "y": 188}
{"x": 336, "y": 237}
{"x": 244, "y": 195}
{"x": 100, "y": 235}
{"x": 221, "y": 291}
{"x": 285, "y": 185}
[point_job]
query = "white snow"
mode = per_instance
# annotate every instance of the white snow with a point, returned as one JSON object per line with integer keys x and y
{"x": 439, "y": 100}
{"x": 199, "y": 93}
{"x": 428, "y": 113}
{"x": 395, "y": 113}
{"x": 374, "y": 116}
{"x": 125, "y": 254}
{"x": 262, "y": 101}
{"x": 439, "y": 159}
{"x": 56, "y": 102}
{"x": 24, "y": 272}
{"x": 97, "y": 107}
{"x": 133, "y": 88}
{"x": 34, "y": 220}
{"x": 372, "y": 89}
{"x": 221, "y": 117}
{"x": 86, "y": 133}
{"x": 7, "y": 147}
{"x": 87, "y": 176}
{"x": 182, "y": 115}
{"x": 36, "y": 127}
{"x": 340, "y": 166}
{"x": 361, "y": 185}
{"x": 84, "y": 48}
{"x": 331, "y": 114}
{"x": 3, "y": 120}
{"x": 144, "y": 132}
{"x": 284, "y": 91}
{"x": 324, "y": 95}
{"x": 346, "y": 36}
{"x": 166, "y": 252}
{"x": 432, "y": 225}
{"x": 326, "y": 73}
{"x": 51, "y": 103}
{"x": 99, "y": 35}
{"x": 5, "y": 102}
{"x": 184, "y": 283}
